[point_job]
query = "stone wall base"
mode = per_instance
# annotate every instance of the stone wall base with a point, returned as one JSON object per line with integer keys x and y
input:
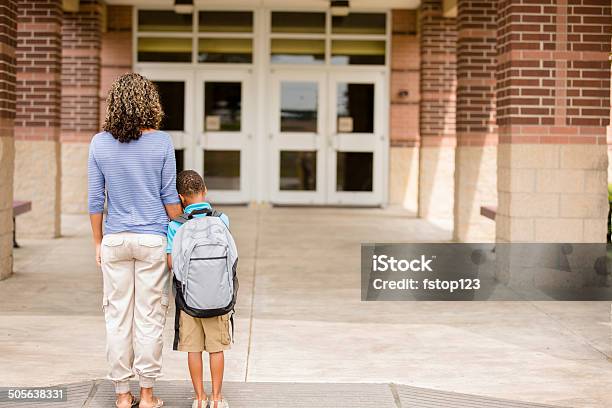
{"x": 475, "y": 186}
{"x": 37, "y": 179}
{"x": 436, "y": 182}
{"x": 404, "y": 177}
{"x": 7, "y": 155}
{"x": 552, "y": 193}
{"x": 74, "y": 178}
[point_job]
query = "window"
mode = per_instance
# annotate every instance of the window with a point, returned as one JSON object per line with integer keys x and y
{"x": 227, "y": 50}
{"x": 354, "y": 171}
{"x": 153, "y": 49}
{"x": 360, "y": 23}
{"x": 172, "y": 99}
{"x": 164, "y": 20}
{"x": 225, "y": 21}
{"x": 300, "y": 38}
{"x": 224, "y": 37}
{"x": 298, "y": 170}
{"x": 299, "y": 107}
{"x": 357, "y": 52}
{"x": 222, "y": 104}
{"x": 222, "y": 169}
{"x": 290, "y": 51}
{"x": 355, "y": 102}
{"x": 291, "y": 22}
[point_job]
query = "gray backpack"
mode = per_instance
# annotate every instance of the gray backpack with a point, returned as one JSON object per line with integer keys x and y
{"x": 204, "y": 262}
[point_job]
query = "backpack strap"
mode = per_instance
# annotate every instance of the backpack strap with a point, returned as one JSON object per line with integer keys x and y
{"x": 177, "y": 325}
{"x": 232, "y": 321}
{"x": 181, "y": 219}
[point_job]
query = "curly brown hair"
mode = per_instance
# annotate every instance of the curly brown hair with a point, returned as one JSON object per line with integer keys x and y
{"x": 132, "y": 105}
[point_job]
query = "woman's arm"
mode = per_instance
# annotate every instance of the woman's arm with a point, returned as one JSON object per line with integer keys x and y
{"x": 173, "y": 210}
{"x": 96, "y": 229}
{"x": 168, "y": 193}
{"x": 95, "y": 198}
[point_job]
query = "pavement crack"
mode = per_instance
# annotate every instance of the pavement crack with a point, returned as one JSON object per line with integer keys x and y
{"x": 396, "y": 397}
{"x": 92, "y": 393}
{"x": 580, "y": 337}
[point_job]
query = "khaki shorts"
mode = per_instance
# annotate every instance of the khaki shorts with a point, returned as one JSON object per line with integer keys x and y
{"x": 210, "y": 334}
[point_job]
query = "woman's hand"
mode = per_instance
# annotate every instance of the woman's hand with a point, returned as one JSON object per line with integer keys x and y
{"x": 98, "y": 257}
{"x": 173, "y": 210}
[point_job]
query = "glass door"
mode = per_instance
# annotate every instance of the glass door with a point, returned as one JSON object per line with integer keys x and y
{"x": 297, "y": 139}
{"x": 176, "y": 94}
{"x": 356, "y": 139}
{"x": 224, "y": 124}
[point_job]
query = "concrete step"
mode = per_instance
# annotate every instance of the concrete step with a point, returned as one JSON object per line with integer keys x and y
{"x": 178, "y": 394}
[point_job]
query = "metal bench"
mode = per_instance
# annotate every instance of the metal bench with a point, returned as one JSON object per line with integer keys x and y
{"x": 488, "y": 211}
{"x": 19, "y": 207}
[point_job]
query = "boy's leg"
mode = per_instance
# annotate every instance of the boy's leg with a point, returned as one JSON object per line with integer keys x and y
{"x": 217, "y": 364}
{"x": 217, "y": 339}
{"x": 194, "y": 360}
{"x": 191, "y": 340}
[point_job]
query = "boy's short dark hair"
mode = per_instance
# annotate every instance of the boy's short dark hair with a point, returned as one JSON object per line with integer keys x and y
{"x": 189, "y": 182}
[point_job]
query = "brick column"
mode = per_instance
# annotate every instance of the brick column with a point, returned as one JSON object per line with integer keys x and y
{"x": 81, "y": 42}
{"x": 437, "y": 111}
{"x": 8, "y": 41}
{"x": 553, "y": 106}
{"x": 609, "y": 134}
{"x": 37, "y": 124}
{"x": 476, "y": 153}
{"x": 116, "y": 58}
{"x": 404, "y": 115}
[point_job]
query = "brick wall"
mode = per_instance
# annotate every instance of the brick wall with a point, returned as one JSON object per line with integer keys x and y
{"x": 38, "y": 70}
{"x": 405, "y": 92}
{"x": 476, "y": 153}
{"x": 8, "y": 42}
{"x": 116, "y": 56}
{"x": 438, "y": 38}
{"x": 476, "y": 64}
{"x": 438, "y": 75}
{"x": 552, "y": 111}
{"x": 8, "y": 36}
{"x": 81, "y": 43}
{"x": 553, "y": 74}
{"x": 404, "y": 110}
{"x": 37, "y": 121}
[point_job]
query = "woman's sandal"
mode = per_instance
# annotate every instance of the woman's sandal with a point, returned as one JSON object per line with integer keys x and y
{"x": 202, "y": 403}
{"x": 133, "y": 403}
{"x": 158, "y": 403}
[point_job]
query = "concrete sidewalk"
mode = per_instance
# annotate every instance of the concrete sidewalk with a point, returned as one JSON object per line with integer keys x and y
{"x": 300, "y": 318}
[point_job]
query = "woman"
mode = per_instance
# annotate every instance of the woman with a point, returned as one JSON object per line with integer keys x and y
{"x": 132, "y": 166}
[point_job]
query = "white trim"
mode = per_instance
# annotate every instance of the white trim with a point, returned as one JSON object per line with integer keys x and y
{"x": 356, "y": 5}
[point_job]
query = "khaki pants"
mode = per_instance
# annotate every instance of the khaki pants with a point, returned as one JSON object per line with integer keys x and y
{"x": 135, "y": 301}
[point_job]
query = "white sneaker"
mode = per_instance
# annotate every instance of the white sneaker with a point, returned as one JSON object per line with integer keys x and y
{"x": 203, "y": 405}
{"x": 222, "y": 403}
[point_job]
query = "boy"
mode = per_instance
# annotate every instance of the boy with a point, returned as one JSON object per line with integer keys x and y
{"x": 200, "y": 334}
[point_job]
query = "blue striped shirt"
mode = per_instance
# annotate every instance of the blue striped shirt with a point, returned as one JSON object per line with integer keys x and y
{"x": 137, "y": 179}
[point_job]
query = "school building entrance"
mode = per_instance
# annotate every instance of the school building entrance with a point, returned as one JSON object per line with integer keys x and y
{"x": 280, "y": 106}
{"x": 450, "y": 109}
